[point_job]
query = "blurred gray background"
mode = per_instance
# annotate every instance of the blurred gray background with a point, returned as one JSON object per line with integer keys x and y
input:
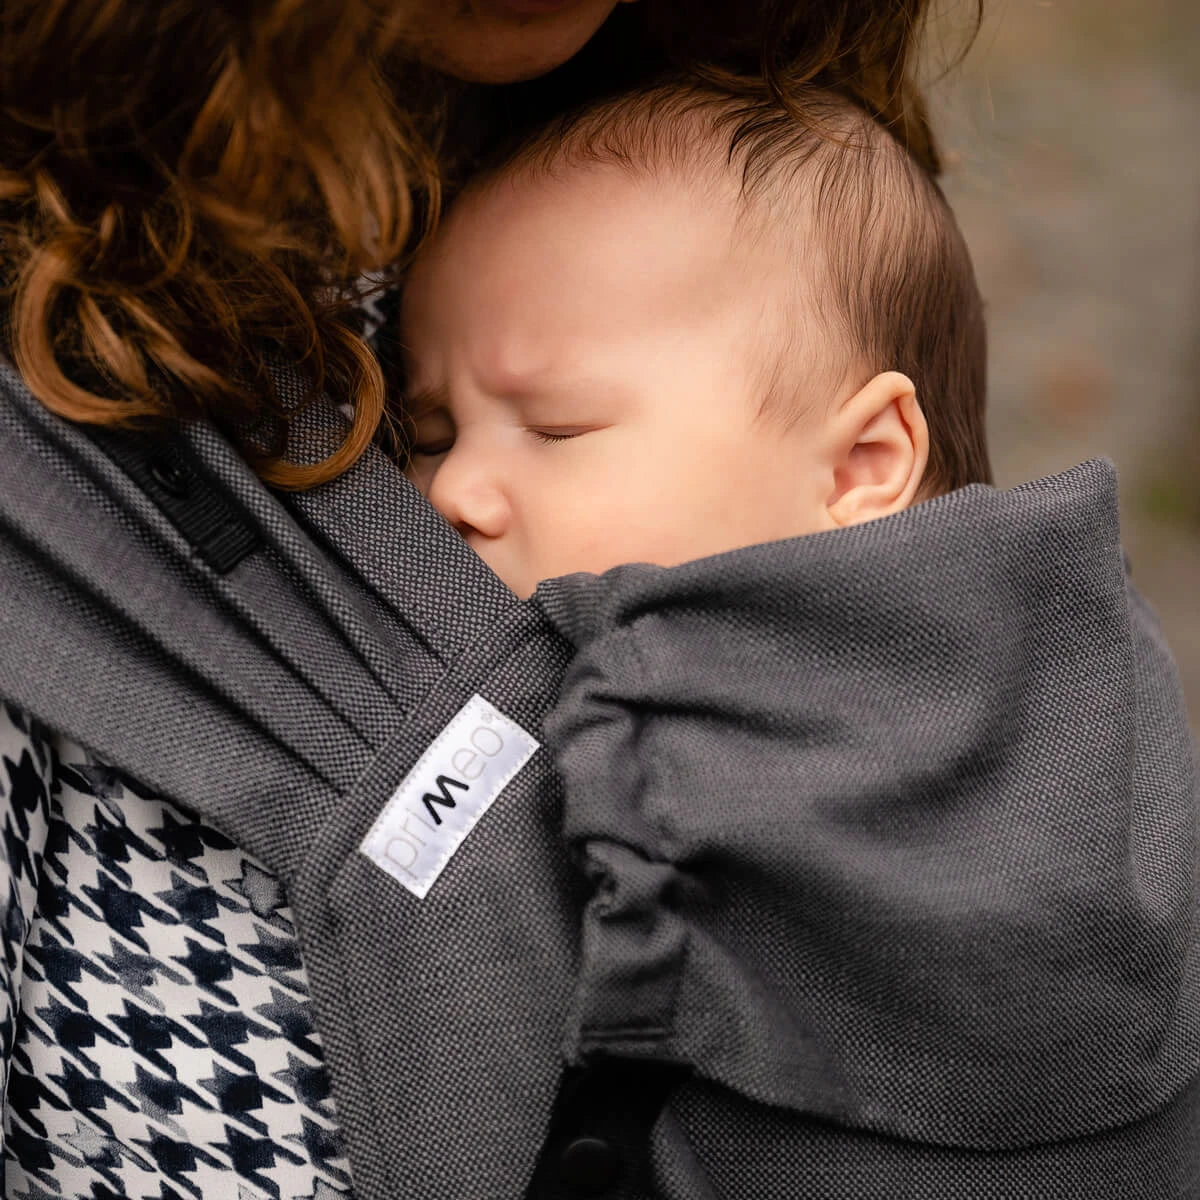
{"x": 1072, "y": 131}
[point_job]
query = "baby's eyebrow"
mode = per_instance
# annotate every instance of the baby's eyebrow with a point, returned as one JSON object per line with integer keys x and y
{"x": 590, "y": 390}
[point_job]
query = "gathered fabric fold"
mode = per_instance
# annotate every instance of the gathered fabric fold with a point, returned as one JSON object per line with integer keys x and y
{"x": 893, "y": 825}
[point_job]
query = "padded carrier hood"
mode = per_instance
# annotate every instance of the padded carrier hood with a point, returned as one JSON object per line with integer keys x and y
{"x": 894, "y": 824}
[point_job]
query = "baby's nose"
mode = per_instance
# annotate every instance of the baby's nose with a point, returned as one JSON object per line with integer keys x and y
{"x": 468, "y": 490}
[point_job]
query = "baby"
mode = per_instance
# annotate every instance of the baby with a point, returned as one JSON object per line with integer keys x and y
{"x": 889, "y": 825}
{"x": 684, "y": 323}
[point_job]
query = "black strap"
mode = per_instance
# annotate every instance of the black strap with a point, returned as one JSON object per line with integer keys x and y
{"x": 599, "y": 1139}
{"x": 166, "y": 469}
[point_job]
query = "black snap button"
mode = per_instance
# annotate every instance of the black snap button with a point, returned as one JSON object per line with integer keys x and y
{"x": 589, "y": 1166}
{"x": 169, "y": 476}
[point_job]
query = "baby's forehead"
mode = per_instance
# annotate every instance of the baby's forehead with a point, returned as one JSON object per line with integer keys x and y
{"x": 574, "y": 221}
{"x": 682, "y": 231}
{"x": 591, "y": 190}
{"x": 569, "y": 218}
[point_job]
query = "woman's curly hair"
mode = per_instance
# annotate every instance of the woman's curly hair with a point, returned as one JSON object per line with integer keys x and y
{"x": 188, "y": 187}
{"x": 183, "y": 184}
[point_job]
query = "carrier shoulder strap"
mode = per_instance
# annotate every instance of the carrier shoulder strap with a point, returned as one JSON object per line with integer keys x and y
{"x": 278, "y": 665}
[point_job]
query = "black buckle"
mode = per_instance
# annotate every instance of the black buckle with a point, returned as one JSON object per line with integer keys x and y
{"x": 167, "y": 470}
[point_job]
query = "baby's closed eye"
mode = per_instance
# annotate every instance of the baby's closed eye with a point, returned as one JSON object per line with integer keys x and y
{"x": 560, "y": 435}
{"x": 430, "y": 434}
{"x": 437, "y": 437}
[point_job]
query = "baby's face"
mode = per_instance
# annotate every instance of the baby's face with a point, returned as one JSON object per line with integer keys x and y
{"x": 583, "y": 378}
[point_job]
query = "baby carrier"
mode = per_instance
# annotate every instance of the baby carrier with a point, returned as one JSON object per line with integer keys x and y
{"x": 861, "y": 865}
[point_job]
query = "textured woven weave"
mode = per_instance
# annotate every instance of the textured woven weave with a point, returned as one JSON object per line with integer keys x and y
{"x": 321, "y": 677}
{"x": 716, "y": 1145}
{"x": 322, "y": 665}
{"x": 894, "y": 826}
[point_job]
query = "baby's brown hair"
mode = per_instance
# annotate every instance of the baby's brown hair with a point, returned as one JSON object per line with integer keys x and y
{"x": 879, "y": 258}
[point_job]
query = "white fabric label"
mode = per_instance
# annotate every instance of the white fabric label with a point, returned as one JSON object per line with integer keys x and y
{"x": 452, "y": 785}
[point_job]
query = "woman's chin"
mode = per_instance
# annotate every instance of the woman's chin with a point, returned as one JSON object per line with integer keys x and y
{"x": 507, "y": 41}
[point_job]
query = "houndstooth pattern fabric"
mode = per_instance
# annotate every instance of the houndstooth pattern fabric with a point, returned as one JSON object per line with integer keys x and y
{"x": 156, "y": 1021}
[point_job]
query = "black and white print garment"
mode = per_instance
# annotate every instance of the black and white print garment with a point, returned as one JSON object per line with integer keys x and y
{"x": 157, "y": 1033}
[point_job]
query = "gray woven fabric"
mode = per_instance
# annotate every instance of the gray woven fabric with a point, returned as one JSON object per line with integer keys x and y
{"x": 720, "y": 1145}
{"x": 893, "y": 826}
{"x": 324, "y": 663}
{"x": 321, "y": 677}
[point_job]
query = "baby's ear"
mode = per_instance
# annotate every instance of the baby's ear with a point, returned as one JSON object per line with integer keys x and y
{"x": 881, "y": 444}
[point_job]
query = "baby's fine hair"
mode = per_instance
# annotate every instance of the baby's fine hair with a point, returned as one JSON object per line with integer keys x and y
{"x": 877, "y": 254}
